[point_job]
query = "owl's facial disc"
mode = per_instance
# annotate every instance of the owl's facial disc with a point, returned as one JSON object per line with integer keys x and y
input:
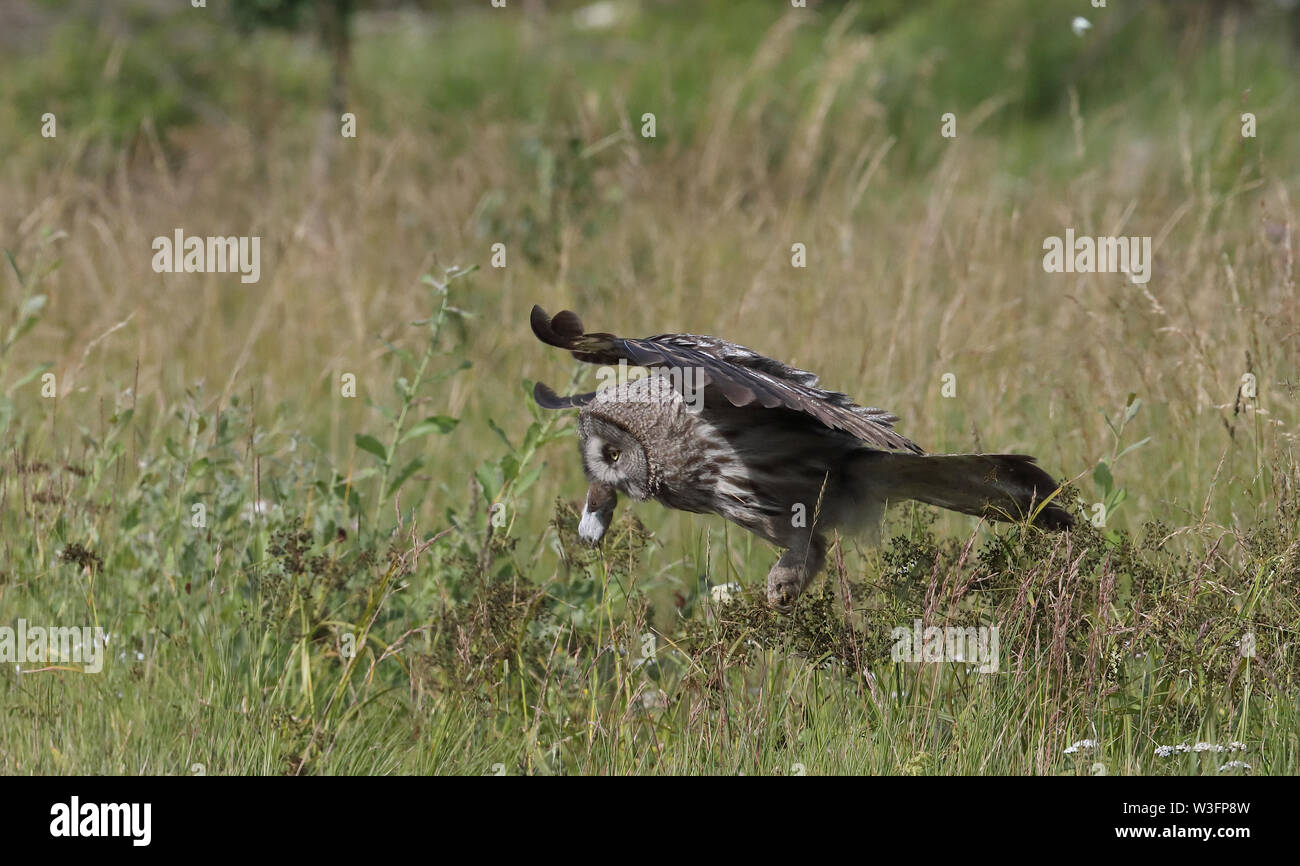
{"x": 613, "y": 457}
{"x": 597, "y": 512}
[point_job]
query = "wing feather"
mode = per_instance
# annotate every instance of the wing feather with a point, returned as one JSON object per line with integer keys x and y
{"x": 741, "y": 375}
{"x": 545, "y": 397}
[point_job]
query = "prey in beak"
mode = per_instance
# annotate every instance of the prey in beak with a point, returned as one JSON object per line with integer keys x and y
{"x": 597, "y": 512}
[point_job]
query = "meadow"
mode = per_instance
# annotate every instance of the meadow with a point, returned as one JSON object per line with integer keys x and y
{"x": 327, "y": 531}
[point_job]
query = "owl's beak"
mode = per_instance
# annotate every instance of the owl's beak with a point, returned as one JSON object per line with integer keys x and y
{"x": 597, "y": 512}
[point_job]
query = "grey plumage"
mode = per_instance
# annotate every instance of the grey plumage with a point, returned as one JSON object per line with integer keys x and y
{"x": 766, "y": 448}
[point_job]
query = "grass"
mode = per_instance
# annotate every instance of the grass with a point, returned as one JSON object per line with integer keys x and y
{"x": 300, "y": 581}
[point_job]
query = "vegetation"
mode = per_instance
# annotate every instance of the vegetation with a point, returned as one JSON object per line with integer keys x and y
{"x": 297, "y": 580}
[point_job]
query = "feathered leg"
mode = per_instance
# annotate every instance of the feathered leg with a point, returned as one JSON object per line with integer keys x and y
{"x": 794, "y": 571}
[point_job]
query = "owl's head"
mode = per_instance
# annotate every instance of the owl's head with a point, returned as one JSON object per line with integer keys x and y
{"x": 613, "y": 455}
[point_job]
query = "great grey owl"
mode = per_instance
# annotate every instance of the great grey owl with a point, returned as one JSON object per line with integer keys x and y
{"x": 717, "y": 428}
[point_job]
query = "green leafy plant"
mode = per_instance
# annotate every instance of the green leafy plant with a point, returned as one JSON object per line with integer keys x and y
{"x": 30, "y": 307}
{"x": 408, "y": 388}
{"x": 1103, "y": 474}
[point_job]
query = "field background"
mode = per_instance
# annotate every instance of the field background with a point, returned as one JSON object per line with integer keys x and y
{"x": 500, "y": 646}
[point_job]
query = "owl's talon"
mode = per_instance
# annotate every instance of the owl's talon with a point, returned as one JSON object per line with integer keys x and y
{"x": 793, "y": 572}
{"x": 784, "y": 586}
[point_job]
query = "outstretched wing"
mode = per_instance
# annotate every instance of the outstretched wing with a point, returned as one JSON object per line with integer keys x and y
{"x": 741, "y": 375}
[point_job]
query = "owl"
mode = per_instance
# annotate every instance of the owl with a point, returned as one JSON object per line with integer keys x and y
{"x": 715, "y": 428}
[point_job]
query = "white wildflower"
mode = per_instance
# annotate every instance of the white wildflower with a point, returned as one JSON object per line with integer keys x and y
{"x": 724, "y": 592}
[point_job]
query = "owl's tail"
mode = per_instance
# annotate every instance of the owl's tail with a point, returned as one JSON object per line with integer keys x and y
{"x": 997, "y": 486}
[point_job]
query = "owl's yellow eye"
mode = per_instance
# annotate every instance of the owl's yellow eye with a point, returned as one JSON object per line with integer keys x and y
{"x": 612, "y": 454}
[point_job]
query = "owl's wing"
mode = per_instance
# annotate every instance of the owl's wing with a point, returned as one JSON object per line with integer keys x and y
{"x": 548, "y": 399}
{"x": 741, "y": 375}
